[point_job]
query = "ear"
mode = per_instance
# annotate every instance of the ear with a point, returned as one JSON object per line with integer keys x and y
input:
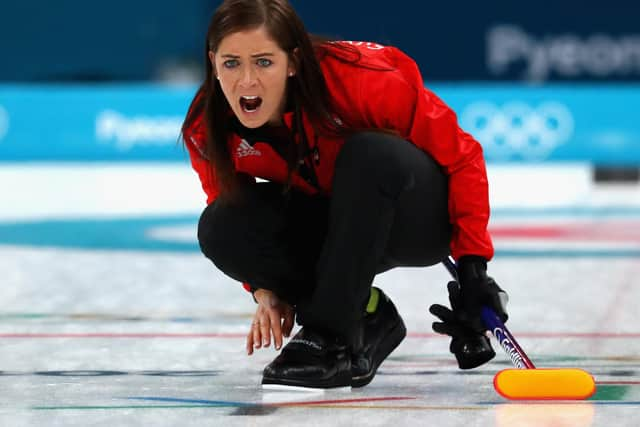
{"x": 293, "y": 61}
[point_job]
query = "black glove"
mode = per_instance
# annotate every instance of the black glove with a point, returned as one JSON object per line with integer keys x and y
{"x": 478, "y": 290}
{"x": 470, "y": 348}
{"x": 451, "y": 323}
{"x": 463, "y": 322}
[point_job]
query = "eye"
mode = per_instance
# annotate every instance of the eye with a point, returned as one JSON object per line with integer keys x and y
{"x": 230, "y": 63}
{"x": 264, "y": 62}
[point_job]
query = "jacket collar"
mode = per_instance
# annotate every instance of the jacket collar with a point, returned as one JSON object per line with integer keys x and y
{"x": 287, "y": 118}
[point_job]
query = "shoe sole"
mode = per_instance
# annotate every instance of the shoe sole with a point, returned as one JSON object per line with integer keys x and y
{"x": 285, "y": 387}
{"x": 394, "y": 338}
{"x": 339, "y": 381}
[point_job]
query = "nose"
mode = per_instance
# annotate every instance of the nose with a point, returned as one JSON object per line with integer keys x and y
{"x": 248, "y": 77}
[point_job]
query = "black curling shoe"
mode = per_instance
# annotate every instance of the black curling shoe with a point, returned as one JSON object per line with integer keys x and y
{"x": 310, "y": 360}
{"x": 472, "y": 351}
{"x": 383, "y": 331}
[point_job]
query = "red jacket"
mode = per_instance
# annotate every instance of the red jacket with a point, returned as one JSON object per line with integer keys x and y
{"x": 383, "y": 90}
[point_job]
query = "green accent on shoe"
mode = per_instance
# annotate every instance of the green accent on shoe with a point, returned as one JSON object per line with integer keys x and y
{"x": 374, "y": 297}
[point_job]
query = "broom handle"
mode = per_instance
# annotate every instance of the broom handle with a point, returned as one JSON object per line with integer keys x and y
{"x": 497, "y": 328}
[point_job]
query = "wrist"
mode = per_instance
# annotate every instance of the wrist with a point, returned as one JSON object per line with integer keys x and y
{"x": 470, "y": 268}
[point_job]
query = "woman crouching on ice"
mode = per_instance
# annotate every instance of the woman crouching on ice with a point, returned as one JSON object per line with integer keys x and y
{"x": 365, "y": 170}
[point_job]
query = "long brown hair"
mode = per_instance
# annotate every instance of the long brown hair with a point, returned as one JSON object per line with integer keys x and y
{"x": 307, "y": 89}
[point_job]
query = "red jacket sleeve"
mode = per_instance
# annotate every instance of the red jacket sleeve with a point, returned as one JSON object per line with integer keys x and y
{"x": 195, "y": 140}
{"x": 422, "y": 118}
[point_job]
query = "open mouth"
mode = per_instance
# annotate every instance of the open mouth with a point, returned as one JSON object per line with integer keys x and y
{"x": 250, "y": 103}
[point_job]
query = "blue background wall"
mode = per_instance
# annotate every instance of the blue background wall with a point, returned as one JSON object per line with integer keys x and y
{"x": 69, "y": 40}
{"x": 137, "y": 40}
{"x": 142, "y": 122}
{"x": 536, "y": 81}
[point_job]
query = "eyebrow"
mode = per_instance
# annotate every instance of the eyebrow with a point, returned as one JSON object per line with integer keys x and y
{"x": 255, "y": 55}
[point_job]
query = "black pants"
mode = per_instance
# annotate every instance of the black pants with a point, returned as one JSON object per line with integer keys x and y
{"x": 388, "y": 208}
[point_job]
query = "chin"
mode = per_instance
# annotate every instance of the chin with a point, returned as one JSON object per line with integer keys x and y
{"x": 250, "y": 122}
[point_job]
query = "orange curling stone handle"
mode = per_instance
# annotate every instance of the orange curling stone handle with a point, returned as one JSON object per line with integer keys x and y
{"x": 544, "y": 384}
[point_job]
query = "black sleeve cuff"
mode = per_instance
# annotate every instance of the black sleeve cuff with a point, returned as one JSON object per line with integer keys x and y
{"x": 471, "y": 267}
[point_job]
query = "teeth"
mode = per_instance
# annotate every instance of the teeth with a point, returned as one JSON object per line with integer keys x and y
{"x": 250, "y": 103}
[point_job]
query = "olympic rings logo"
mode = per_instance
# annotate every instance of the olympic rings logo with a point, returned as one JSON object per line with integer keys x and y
{"x": 516, "y": 130}
{"x": 4, "y": 122}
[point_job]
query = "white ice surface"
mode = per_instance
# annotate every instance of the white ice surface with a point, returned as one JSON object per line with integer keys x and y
{"x": 166, "y": 330}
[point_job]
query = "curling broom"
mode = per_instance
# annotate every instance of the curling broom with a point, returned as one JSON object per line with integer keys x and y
{"x": 527, "y": 382}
